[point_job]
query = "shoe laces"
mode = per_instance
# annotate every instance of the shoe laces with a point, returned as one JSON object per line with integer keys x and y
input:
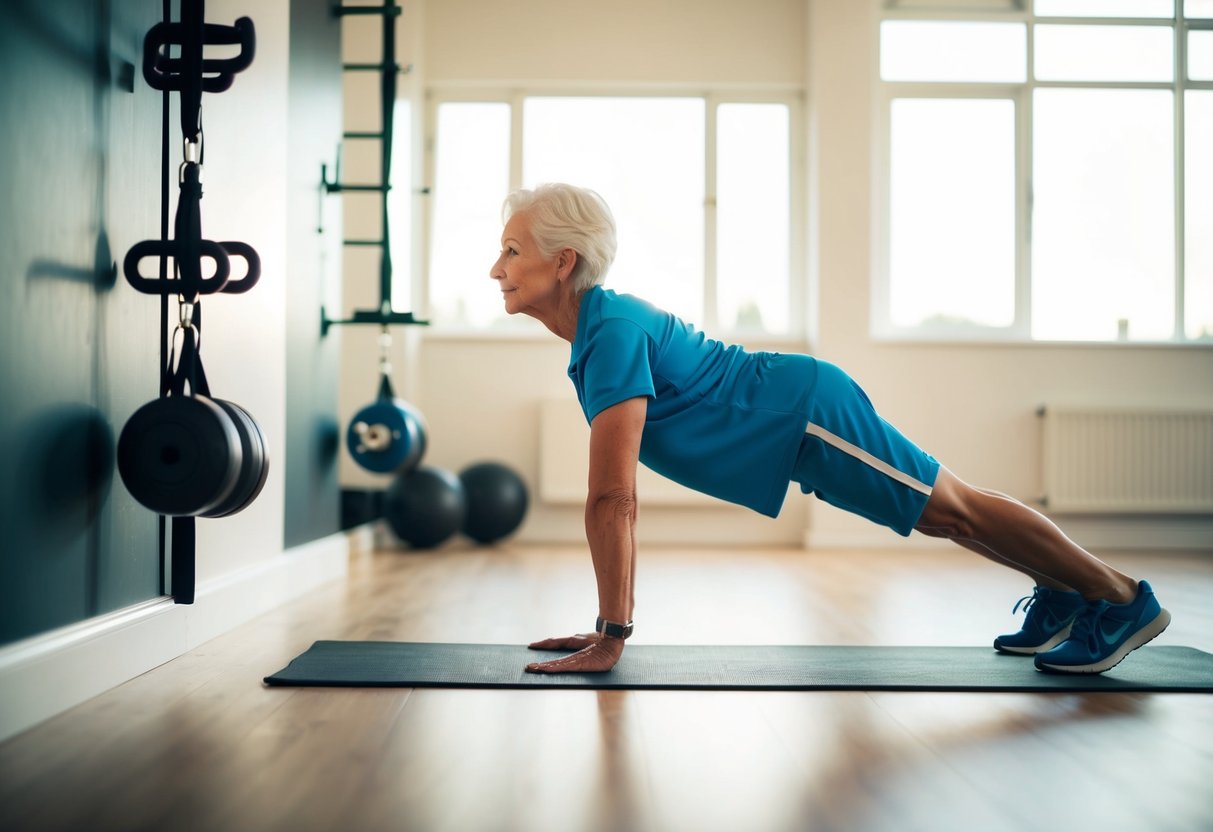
{"x": 1027, "y": 601}
{"x": 1086, "y": 624}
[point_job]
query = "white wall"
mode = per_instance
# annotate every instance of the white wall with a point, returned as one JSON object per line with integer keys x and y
{"x": 623, "y": 42}
{"x": 972, "y": 406}
{"x": 244, "y": 198}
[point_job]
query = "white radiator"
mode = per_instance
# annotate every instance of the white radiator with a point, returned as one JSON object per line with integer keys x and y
{"x": 1127, "y": 461}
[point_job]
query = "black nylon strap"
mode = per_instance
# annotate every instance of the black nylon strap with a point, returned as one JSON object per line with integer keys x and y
{"x": 193, "y": 36}
{"x": 188, "y": 369}
{"x": 183, "y": 554}
{"x": 188, "y": 233}
{"x": 183, "y": 551}
{"x": 386, "y": 391}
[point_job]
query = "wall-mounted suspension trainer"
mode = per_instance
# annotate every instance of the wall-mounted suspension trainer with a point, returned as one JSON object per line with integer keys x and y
{"x": 186, "y": 454}
{"x": 387, "y": 436}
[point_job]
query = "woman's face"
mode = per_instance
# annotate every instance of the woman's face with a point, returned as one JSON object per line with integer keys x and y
{"x": 527, "y": 278}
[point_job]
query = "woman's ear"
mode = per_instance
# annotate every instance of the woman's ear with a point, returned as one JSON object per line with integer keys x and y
{"x": 565, "y": 261}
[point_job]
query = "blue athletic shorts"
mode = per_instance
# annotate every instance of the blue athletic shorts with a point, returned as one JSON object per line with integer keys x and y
{"x": 853, "y": 459}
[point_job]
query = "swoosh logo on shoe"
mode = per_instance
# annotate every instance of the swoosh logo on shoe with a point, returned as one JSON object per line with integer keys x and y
{"x": 1116, "y": 634}
{"x": 1052, "y": 623}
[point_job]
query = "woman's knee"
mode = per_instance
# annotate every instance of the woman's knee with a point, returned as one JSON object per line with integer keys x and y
{"x": 951, "y": 509}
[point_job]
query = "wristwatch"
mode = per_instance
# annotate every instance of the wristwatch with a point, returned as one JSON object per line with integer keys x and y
{"x": 612, "y": 629}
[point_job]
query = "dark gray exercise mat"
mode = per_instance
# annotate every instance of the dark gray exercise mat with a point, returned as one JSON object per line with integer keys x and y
{"x": 668, "y": 667}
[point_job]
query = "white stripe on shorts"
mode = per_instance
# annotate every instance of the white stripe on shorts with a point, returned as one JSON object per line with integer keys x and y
{"x": 866, "y": 458}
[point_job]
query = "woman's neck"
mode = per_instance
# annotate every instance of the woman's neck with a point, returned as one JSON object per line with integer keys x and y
{"x": 562, "y": 320}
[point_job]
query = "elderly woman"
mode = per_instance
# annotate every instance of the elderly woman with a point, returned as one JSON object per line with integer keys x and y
{"x": 741, "y": 425}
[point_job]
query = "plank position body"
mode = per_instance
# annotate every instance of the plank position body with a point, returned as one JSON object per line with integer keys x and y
{"x": 741, "y": 425}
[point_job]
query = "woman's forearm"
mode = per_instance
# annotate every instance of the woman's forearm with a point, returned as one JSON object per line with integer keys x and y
{"x": 610, "y": 526}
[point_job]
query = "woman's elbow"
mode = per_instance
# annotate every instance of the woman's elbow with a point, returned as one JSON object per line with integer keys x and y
{"x": 613, "y": 505}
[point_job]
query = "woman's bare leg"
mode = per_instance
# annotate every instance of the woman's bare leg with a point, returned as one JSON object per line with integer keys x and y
{"x": 1037, "y": 578}
{"x": 1007, "y": 531}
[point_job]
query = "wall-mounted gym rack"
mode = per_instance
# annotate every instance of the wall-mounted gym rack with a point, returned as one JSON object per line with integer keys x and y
{"x": 183, "y": 455}
{"x": 388, "y": 70}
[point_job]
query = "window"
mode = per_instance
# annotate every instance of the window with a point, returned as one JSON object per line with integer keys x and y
{"x": 1103, "y": 231}
{"x": 951, "y": 240}
{"x": 709, "y": 239}
{"x": 753, "y": 217}
{"x": 470, "y": 176}
{"x": 1045, "y": 174}
{"x": 1198, "y": 204}
{"x": 645, "y": 156}
{"x": 949, "y": 50}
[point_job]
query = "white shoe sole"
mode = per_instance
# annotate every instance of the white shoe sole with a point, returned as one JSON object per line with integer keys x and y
{"x": 1062, "y": 635}
{"x": 1144, "y": 635}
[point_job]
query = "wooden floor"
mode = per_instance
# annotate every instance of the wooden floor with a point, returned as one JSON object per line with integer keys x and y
{"x": 201, "y": 744}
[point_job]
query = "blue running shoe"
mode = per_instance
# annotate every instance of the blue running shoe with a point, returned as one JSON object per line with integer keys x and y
{"x": 1104, "y": 633}
{"x": 1049, "y": 614}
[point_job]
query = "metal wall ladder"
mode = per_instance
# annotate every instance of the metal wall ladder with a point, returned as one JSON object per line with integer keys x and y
{"x": 388, "y": 70}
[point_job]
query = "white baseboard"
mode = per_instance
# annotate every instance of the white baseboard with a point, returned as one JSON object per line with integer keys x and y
{"x": 43, "y": 676}
{"x": 1096, "y": 533}
{"x": 877, "y": 538}
{"x": 1177, "y": 532}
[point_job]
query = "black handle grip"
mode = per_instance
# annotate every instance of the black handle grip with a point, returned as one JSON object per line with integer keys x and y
{"x": 164, "y": 73}
{"x": 170, "y": 248}
{"x": 253, "y": 267}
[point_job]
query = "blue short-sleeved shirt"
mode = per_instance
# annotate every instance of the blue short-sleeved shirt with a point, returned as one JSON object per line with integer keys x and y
{"x": 721, "y": 420}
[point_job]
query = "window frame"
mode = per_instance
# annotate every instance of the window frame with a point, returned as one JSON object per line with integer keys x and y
{"x": 1022, "y": 95}
{"x": 708, "y": 320}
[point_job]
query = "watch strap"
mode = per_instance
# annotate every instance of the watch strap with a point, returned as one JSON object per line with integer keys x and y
{"x": 613, "y": 629}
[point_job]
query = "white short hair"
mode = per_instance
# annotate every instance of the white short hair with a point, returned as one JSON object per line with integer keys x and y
{"x": 565, "y": 216}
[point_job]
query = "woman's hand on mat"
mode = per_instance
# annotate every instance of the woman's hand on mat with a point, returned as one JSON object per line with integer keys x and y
{"x": 595, "y": 654}
{"x": 578, "y": 642}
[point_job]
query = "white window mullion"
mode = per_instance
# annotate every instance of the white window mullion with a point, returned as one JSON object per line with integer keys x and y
{"x": 881, "y": 323}
{"x": 798, "y": 278}
{"x": 421, "y": 284}
{"x": 1022, "y": 327}
{"x": 516, "y": 127}
{"x": 1179, "y": 81}
{"x": 711, "y": 303}
{"x": 1025, "y": 192}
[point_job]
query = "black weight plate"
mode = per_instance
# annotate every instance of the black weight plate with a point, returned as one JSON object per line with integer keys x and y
{"x": 261, "y": 448}
{"x": 254, "y": 467}
{"x": 179, "y": 456}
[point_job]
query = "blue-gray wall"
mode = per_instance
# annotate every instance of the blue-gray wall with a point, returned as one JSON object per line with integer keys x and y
{"x": 314, "y": 268}
{"x": 80, "y": 178}
{"x": 80, "y": 167}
